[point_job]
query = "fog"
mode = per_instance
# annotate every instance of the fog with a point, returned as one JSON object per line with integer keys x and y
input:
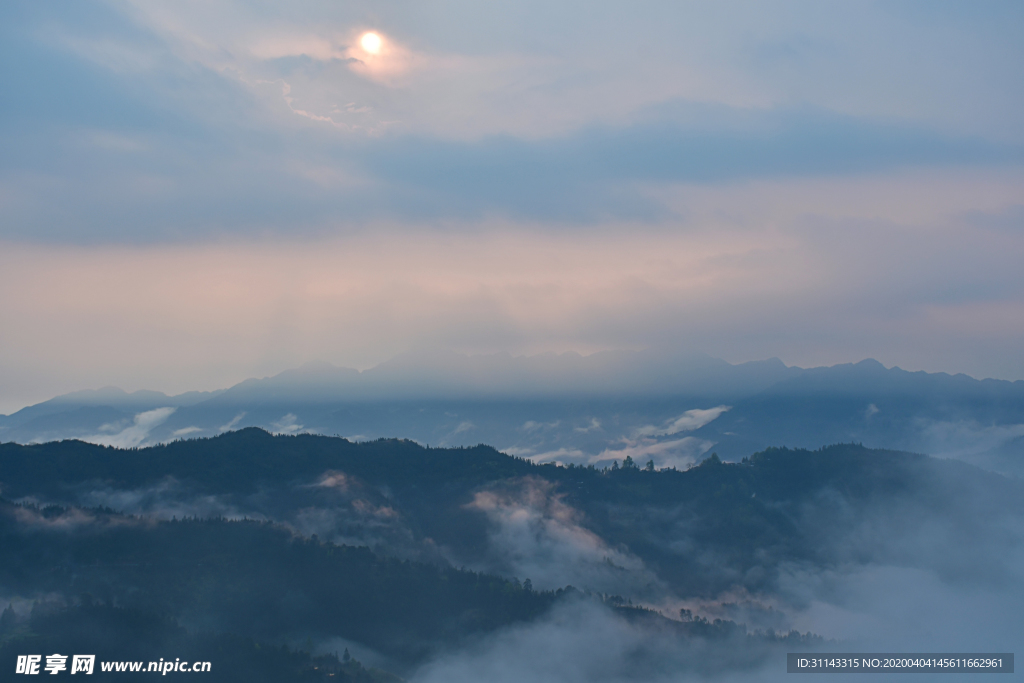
{"x": 582, "y": 641}
{"x": 660, "y": 405}
{"x": 939, "y": 569}
{"x": 868, "y": 609}
{"x": 909, "y": 553}
{"x": 856, "y": 608}
{"x": 166, "y": 500}
{"x": 535, "y": 535}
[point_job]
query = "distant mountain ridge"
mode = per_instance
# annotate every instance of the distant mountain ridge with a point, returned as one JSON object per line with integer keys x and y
{"x": 501, "y": 375}
{"x": 669, "y": 407}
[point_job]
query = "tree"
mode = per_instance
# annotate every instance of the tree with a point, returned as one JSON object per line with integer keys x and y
{"x": 713, "y": 459}
{"x": 7, "y": 619}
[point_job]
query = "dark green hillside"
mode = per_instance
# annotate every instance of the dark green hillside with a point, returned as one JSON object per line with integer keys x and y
{"x": 253, "y": 578}
{"x": 701, "y": 530}
{"x": 244, "y": 460}
{"x": 239, "y": 461}
{"x": 116, "y": 634}
{"x": 695, "y": 533}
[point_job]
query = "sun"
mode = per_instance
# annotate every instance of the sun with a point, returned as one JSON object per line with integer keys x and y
{"x": 371, "y": 42}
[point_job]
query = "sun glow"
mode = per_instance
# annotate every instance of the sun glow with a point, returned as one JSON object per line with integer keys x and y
{"x": 375, "y": 56}
{"x": 371, "y": 42}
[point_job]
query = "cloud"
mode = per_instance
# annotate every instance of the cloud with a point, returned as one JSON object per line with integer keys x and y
{"x": 751, "y": 183}
{"x": 504, "y": 70}
{"x": 561, "y": 455}
{"x": 164, "y": 500}
{"x": 966, "y": 439}
{"x": 137, "y": 433}
{"x": 390, "y": 62}
{"x": 687, "y": 422}
{"x": 610, "y": 172}
{"x": 256, "y": 309}
{"x": 68, "y": 520}
{"x": 232, "y": 423}
{"x": 323, "y": 148}
{"x": 334, "y": 480}
{"x": 535, "y": 535}
{"x": 288, "y": 424}
{"x": 644, "y": 444}
{"x": 678, "y": 453}
{"x": 344, "y": 510}
{"x": 903, "y": 609}
{"x": 581, "y": 641}
{"x": 531, "y": 425}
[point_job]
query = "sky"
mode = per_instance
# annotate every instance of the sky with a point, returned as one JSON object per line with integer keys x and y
{"x": 193, "y": 193}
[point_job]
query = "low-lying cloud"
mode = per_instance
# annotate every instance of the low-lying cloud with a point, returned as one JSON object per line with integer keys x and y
{"x": 904, "y": 609}
{"x": 687, "y": 422}
{"x": 535, "y": 535}
{"x": 287, "y": 424}
{"x": 677, "y": 453}
{"x": 582, "y": 641}
{"x": 165, "y": 500}
{"x": 136, "y": 434}
{"x": 990, "y": 445}
{"x": 232, "y": 423}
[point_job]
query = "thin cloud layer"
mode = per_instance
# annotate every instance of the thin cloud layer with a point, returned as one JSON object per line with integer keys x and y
{"x": 535, "y": 535}
{"x": 813, "y": 290}
{"x": 687, "y": 422}
{"x": 135, "y": 434}
{"x": 192, "y": 194}
{"x": 228, "y": 120}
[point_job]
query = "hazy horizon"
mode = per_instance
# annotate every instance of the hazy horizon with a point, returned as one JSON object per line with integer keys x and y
{"x": 425, "y": 355}
{"x": 197, "y": 194}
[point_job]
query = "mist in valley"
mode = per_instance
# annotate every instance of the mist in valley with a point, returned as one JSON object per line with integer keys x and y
{"x": 707, "y": 572}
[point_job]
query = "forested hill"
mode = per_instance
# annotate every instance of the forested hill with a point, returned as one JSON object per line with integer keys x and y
{"x": 122, "y": 587}
{"x": 254, "y": 578}
{"x": 409, "y": 550}
{"x": 238, "y": 461}
{"x": 244, "y": 461}
{"x": 459, "y": 505}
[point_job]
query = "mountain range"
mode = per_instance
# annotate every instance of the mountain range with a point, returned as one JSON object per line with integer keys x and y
{"x": 428, "y": 562}
{"x": 670, "y": 408}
